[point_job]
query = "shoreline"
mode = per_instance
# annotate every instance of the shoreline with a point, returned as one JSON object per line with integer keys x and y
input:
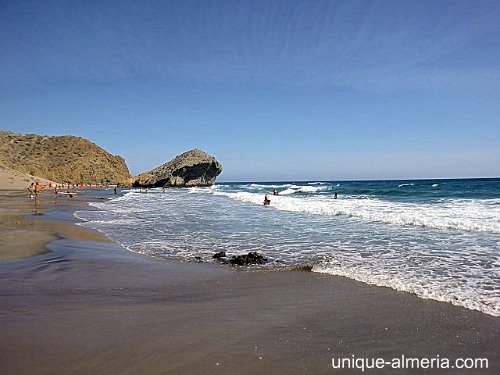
{"x": 88, "y": 304}
{"x": 24, "y": 235}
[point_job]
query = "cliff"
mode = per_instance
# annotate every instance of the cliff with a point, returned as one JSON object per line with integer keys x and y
{"x": 192, "y": 168}
{"x": 64, "y": 159}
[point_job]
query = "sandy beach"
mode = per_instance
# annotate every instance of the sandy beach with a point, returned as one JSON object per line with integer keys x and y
{"x": 249, "y": 187}
{"x": 14, "y": 180}
{"x": 23, "y": 235}
{"x": 86, "y": 305}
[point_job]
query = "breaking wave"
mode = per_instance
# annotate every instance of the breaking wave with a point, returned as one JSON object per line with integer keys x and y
{"x": 453, "y": 214}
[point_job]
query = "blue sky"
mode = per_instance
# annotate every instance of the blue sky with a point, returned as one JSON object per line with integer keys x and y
{"x": 276, "y": 90}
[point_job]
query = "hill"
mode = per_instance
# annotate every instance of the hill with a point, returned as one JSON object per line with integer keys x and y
{"x": 64, "y": 159}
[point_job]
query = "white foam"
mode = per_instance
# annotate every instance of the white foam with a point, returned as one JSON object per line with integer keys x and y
{"x": 196, "y": 190}
{"x": 303, "y": 189}
{"x": 466, "y": 292}
{"x": 266, "y": 186}
{"x": 309, "y": 189}
{"x": 455, "y": 214}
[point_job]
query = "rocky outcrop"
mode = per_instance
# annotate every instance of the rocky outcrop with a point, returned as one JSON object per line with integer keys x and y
{"x": 219, "y": 255}
{"x": 252, "y": 257}
{"x": 192, "y": 168}
{"x": 64, "y": 159}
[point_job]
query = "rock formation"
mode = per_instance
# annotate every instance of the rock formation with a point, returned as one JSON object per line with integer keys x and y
{"x": 219, "y": 255}
{"x": 252, "y": 257}
{"x": 192, "y": 168}
{"x": 64, "y": 159}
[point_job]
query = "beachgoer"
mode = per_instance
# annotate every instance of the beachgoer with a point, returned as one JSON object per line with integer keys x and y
{"x": 114, "y": 190}
{"x": 335, "y": 195}
{"x": 31, "y": 190}
{"x": 267, "y": 201}
{"x": 38, "y": 187}
{"x": 275, "y": 192}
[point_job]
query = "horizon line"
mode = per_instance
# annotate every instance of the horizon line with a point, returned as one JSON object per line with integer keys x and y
{"x": 364, "y": 180}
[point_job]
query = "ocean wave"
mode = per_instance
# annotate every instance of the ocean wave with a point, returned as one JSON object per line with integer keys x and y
{"x": 102, "y": 217}
{"x": 302, "y": 189}
{"x": 457, "y": 291}
{"x": 195, "y": 190}
{"x": 117, "y": 208}
{"x": 405, "y": 185}
{"x": 114, "y": 221}
{"x": 272, "y": 186}
{"x": 452, "y": 214}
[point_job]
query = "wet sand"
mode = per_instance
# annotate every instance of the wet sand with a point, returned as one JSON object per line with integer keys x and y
{"x": 24, "y": 235}
{"x": 91, "y": 306}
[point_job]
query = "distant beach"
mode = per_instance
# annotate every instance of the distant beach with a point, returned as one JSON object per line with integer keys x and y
{"x": 85, "y": 304}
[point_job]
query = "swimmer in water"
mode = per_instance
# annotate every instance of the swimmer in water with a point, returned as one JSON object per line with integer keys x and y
{"x": 267, "y": 201}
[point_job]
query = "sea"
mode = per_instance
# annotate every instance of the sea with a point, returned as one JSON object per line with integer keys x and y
{"x": 438, "y": 239}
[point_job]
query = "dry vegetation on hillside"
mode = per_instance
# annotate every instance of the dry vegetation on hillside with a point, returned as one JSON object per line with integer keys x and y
{"x": 66, "y": 159}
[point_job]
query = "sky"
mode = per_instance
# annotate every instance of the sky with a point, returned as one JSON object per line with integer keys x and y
{"x": 275, "y": 90}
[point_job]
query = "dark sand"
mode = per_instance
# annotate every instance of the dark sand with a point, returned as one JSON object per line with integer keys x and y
{"x": 90, "y": 306}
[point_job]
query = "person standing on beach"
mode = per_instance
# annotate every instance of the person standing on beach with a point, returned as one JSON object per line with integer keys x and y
{"x": 114, "y": 190}
{"x": 38, "y": 187}
{"x": 31, "y": 190}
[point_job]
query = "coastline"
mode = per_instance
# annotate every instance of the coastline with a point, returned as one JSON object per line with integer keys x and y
{"x": 19, "y": 239}
{"x": 23, "y": 235}
{"x": 90, "y": 305}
